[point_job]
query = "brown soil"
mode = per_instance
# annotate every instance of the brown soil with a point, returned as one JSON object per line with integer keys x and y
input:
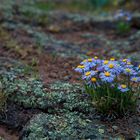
{"x": 8, "y": 134}
{"x": 57, "y": 68}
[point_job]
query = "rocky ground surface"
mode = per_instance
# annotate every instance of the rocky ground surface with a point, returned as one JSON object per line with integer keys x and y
{"x": 41, "y": 96}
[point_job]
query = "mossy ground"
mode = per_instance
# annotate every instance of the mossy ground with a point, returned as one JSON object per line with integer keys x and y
{"x": 39, "y": 48}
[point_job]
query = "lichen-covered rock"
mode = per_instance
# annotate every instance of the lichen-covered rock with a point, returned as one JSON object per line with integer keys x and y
{"x": 67, "y": 126}
{"x": 32, "y": 94}
{"x": 72, "y": 97}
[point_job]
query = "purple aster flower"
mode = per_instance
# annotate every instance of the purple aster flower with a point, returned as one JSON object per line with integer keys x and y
{"x": 123, "y": 88}
{"x": 81, "y": 69}
{"x": 107, "y": 77}
{"x": 129, "y": 71}
{"x": 96, "y": 60}
{"x": 89, "y": 63}
{"x": 119, "y": 14}
{"x": 128, "y": 65}
{"x": 125, "y": 63}
{"x": 128, "y": 16}
{"x": 113, "y": 67}
{"x": 135, "y": 79}
{"x": 122, "y": 15}
{"x": 100, "y": 68}
{"x": 87, "y": 75}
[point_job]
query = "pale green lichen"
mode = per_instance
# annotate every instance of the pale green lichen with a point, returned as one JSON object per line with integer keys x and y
{"x": 67, "y": 126}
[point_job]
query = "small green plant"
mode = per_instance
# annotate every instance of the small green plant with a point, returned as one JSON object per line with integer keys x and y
{"x": 123, "y": 19}
{"x": 45, "y": 6}
{"x": 113, "y": 85}
{"x": 123, "y": 27}
{"x": 3, "y": 98}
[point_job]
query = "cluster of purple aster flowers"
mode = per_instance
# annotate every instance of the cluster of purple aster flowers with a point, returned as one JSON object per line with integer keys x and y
{"x": 121, "y": 73}
{"x": 123, "y": 15}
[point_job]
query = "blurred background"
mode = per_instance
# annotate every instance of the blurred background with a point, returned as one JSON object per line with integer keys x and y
{"x": 30, "y": 29}
{"x": 35, "y": 31}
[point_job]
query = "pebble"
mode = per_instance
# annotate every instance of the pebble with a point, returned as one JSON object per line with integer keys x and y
{"x": 115, "y": 127}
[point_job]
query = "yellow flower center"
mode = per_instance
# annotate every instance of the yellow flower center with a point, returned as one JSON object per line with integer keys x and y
{"x": 134, "y": 79}
{"x": 128, "y": 63}
{"x": 139, "y": 66}
{"x": 112, "y": 59}
{"x": 90, "y": 60}
{"x": 93, "y": 79}
{"x": 84, "y": 60}
{"x": 81, "y": 66}
{"x": 123, "y": 86}
{"x": 111, "y": 66}
{"x": 87, "y": 73}
{"x": 95, "y": 57}
{"x": 107, "y": 74}
{"x": 106, "y": 62}
{"x": 128, "y": 70}
{"x": 124, "y": 60}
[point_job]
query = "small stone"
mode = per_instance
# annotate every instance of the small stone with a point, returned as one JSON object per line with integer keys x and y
{"x": 115, "y": 127}
{"x": 101, "y": 131}
{"x": 67, "y": 78}
{"x": 54, "y": 29}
